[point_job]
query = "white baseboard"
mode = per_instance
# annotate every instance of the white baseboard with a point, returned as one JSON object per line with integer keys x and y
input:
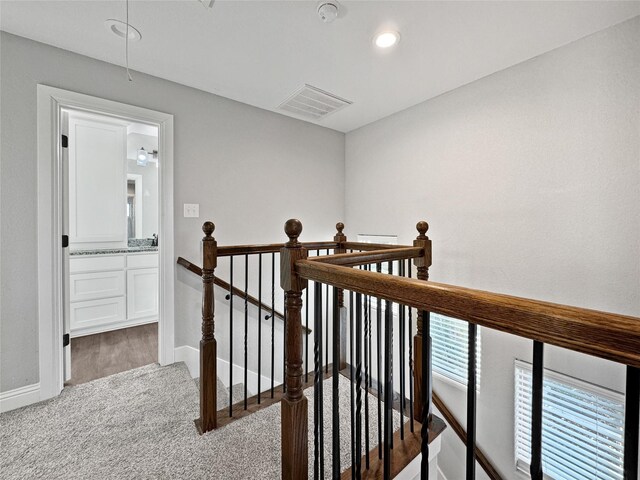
{"x": 191, "y": 356}
{"x": 19, "y": 397}
{"x": 238, "y": 377}
{"x": 82, "y": 332}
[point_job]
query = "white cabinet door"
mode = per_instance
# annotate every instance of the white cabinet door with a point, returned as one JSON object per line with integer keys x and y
{"x": 92, "y": 286}
{"x": 94, "y": 315}
{"x": 98, "y": 263}
{"x": 97, "y": 182}
{"x": 142, "y": 293}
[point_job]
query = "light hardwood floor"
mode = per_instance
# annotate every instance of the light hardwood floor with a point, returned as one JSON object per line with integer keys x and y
{"x": 103, "y": 354}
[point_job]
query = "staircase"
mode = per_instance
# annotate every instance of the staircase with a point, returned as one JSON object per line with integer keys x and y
{"x": 242, "y": 301}
{"x": 237, "y": 393}
{"x": 358, "y": 325}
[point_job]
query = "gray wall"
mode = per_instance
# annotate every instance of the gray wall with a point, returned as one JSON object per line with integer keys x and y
{"x": 530, "y": 180}
{"x": 249, "y": 170}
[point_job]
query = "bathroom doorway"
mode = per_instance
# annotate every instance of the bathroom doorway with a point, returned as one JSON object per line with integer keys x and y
{"x": 94, "y": 278}
{"x": 110, "y": 214}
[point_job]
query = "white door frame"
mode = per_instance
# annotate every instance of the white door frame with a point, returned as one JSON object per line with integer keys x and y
{"x": 50, "y": 301}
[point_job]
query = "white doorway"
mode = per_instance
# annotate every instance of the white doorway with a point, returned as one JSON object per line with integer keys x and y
{"x": 53, "y": 208}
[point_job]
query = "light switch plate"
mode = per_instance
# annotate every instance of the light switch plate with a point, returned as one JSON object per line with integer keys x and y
{"x": 191, "y": 210}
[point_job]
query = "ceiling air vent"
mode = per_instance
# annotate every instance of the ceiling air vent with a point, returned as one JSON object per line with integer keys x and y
{"x": 311, "y": 102}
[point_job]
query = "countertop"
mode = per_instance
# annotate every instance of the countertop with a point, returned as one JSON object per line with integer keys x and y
{"x": 111, "y": 251}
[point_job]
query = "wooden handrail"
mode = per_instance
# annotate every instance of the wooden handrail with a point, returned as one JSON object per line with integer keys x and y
{"x": 192, "y": 267}
{"x": 482, "y": 459}
{"x": 365, "y": 258}
{"x": 231, "y": 250}
{"x": 606, "y": 335}
{"x": 236, "y": 291}
{"x": 364, "y": 246}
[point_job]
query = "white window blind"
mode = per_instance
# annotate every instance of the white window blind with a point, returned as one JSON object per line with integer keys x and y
{"x": 449, "y": 342}
{"x": 582, "y": 427}
{"x": 385, "y": 239}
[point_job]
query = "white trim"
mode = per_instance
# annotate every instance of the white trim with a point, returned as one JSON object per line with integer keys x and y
{"x": 238, "y": 377}
{"x": 166, "y": 258}
{"x": 50, "y": 102}
{"x": 191, "y": 357}
{"x": 441, "y": 475}
{"x": 450, "y": 381}
{"x": 412, "y": 470}
{"x": 19, "y": 397}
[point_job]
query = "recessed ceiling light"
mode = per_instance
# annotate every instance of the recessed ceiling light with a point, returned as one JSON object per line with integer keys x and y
{"x": 120, "y": 29}
{"x": 386, "y": 39}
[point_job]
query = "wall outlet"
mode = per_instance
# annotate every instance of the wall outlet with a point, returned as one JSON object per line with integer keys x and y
{"x": 191, "y": 210}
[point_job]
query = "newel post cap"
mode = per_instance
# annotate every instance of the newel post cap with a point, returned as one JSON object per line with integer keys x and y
{"x": 293, "y": 229}
{"x": 422, "y": 228}
{"x": 208, "y": 228}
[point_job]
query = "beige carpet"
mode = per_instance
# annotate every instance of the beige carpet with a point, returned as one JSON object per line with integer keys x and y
{"x": 139, "y": 424}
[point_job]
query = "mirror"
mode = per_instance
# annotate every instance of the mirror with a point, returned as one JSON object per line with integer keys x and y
{"x": 142, "y": 183}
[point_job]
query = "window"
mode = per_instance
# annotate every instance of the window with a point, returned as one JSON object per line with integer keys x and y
{"x": 582, "y": 427}
{"x": 384, "y": 239}
{"x": 449, "y": 347}
{"x": 449, "y": 336}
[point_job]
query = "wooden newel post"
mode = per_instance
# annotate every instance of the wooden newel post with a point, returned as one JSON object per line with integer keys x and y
{"x": 208, "y": 346}
{"x": 422, "y": 264}
{"x": 341, "y": 337}
{"x": 294, "y": 426}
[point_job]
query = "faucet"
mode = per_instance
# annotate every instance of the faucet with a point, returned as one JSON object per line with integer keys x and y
{"x": 154, "y": 243}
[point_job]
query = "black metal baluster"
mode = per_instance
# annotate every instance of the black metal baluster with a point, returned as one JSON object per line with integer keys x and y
{"x": 410, "y": 342}
{"x": 327, "y": 336}
{"x": 259, "y": 327}
{"x": 358, "y": 436}
{"x": 351, "y": 382}
{"x": 246, "y": 323}
{"x": 370, "y": 349}
{"x": 401, "y": 334}
{"x": 426, "y": 398}
{"x": 326, "y": 333}
{"x": 318, "y": 440}
{"x": 335, "y": 377}
{"x": 388, "y": 388}
{"x": 273, "y": 319}
{"x": 471, "y": 403}
{"x": 536, "y": 411}
{"x": 389, "y": 349}
{"x": 231, "y": 336}
{"x": 379, "y": 364}
{"x": 326, "y": 327}
{"x": 631, "y": 414}
{"x": 367, "y": 373}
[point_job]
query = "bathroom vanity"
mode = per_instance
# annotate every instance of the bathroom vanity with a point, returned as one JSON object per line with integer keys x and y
{"x": 112, "y": 288}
